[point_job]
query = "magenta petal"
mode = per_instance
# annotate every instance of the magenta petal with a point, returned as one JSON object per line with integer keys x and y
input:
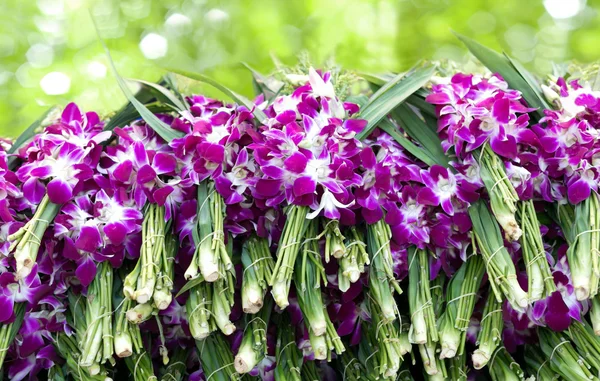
{"x": 116, "y": 232}
{"x": 427, "y": 197}
{"x": 578, "y": 191}
{"x": 164, "y": 163}
{"x": 160, "y": 195}
{"x": 59, "y": 192}
{"x": 304, "y": 185}
{"x": 295, "y": 163}
{"x": 71, "y": 113}
{"x": 86, "y": 271}
{"x": 33, "y": 190}
{"x": 145, "y": 174}
{"x": 122, "y": 171}
{"x": 368, "y": 158}
{"x": 6, "y": 306}
{"x": 501, "y": 110}
{"x": 89, "y": 239}
{"x": 42, "y": 172}
{"x": 268, "y": 188}
{"x": 506, "y": 148}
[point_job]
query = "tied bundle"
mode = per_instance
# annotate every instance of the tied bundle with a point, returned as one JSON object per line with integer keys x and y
{"x": 433, "y": 223}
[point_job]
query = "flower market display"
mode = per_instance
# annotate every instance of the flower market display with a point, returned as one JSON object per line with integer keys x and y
{"x": 436, "y": 224}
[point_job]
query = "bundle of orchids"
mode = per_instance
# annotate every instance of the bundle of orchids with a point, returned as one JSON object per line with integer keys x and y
{"x": 434, "y": 224}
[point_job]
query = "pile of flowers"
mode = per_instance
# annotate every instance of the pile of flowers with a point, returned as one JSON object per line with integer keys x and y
{"x": 310, "y": 234}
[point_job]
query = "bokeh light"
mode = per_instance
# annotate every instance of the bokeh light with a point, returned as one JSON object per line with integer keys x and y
{"x": 49, "y": 52}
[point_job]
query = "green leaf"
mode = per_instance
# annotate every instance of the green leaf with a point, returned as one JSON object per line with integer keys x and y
{"x": 162, "y": 91}
{"x": 268, "y": 86}
{"x": 129, "y": 114}
{"x": 190, "y": 284}
{"x": 501, "y": 64}
{"x": 258, "y": 113}
{"x": 530, "y": 79}
{"x": 411, "y": 147}
{"x": 416, "y": 128}
{"x": 162, "y": 129}
{"x": 26, "y": 136}
{"x": 377, "y": 79}
{"x": 389, "y": 96}
{"x": 359, "y": 99}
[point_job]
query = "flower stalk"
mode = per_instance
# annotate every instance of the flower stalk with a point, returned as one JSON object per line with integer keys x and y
{"x": 151, "y": 280}
{"x": 211, "y": 258}
{"x": 199, "y": 311}
{"x": 308, "y": 275}
{"x": 254, "y": 343}
{"x": 586, "y": 342}
{"x": 499, "y": 265}
{"x": 140, "y": 367}
{"x": 258, "y": 269}
{"x": 25, "y": 242}
{"x": 539, "y": 276}
{"x": 563, "y": 358}
{"x": 127, "y": 336}
{"x": 502, "y": 194}
{"x": 581, "y": 226}
{"x": 353, "y": 263}
{"x": 66, "y": 347}
{"x": 503, "y": 367}
{"x": 96, "y": 343}
{"x": 381, "y": 349}
{"x": 8, "y": 331}
{"x": 216, "y": 359}
{"x": 382, "y": 282}
{"x": 287, "y": 251}
{"x": 289, "y": 357}
{"x": 423, "y": 327}
{"x": 490, "y": 333}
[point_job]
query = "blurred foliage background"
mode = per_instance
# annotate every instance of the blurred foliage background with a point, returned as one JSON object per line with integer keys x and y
{"x": 49, "y": 52}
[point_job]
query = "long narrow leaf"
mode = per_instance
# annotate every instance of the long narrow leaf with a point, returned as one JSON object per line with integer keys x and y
{"x": 164, "y": 92}
{"x": 417, "y": 129}
{"x": 258, "y": 113}
{"x": 529, "y": 78}
{"x": 411, "y": 147}
{"x": 391, "y": 95}
{"x": 161, "y": 128}
{"x": 499, "y": 63}
{"x": 268, "y": 86}
{"x": 26, "y": 136}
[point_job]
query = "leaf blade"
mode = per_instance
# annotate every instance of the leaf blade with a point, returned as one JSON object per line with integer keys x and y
{"x": 26, "y": 136}
{"x": 499, "y": 63}
{"x": 161, "y": 128}
{"x": 389, "y": 96}
{"x": 258, "y": 113}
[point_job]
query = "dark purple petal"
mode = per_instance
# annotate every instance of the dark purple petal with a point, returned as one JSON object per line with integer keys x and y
{"x": 501, "y": 110}
{"x": 557, "y": 317}
{"x": 295, "y": 163}
{"x": 89, "y": 239}
{"x": 164, "y": 163}
{"x": 86, "y": 271}
{"x": 146, "y": 174}
{"x": 116, "y": 232}
{"x": 578, "y": 191}
{"x": 59, "y": 192}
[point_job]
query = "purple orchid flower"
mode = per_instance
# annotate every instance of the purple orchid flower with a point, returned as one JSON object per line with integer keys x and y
{"x": 63, "y": 168}
{"x": 30, "y": 290}
{"x": 557, "y": 310}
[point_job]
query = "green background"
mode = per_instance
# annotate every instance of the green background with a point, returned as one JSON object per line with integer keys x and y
{"x": 54, "y": 40}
